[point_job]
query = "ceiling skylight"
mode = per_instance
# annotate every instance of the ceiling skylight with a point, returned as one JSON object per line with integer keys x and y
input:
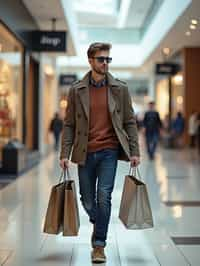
{"x": 91, "y": 6}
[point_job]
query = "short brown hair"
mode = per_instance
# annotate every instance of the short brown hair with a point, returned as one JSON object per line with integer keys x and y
{"x": 98, "y": 46}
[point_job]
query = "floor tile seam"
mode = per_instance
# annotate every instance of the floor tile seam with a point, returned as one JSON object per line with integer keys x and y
{"x": 71, "y": 257}
{"x": 7, "y": 257}
{"x": 154, "y": 252}
{"x": 117, "y": 246}
{"x": 186, "y": 259}
{"x": 177, "y": 248}
{"x": 43, "y": 243}
{"x": 156, "y": 257}
{"x": 184, "y": 203}
{"x": 187, "y": 237}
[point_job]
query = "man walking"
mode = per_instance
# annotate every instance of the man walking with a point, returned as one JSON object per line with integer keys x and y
{"x": 152, "y": 125}
{"x": 99, "y": 129}
{"x": 56, "y": 126}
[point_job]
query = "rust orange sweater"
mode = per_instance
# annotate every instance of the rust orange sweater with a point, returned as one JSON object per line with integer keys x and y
{"x": 101, "y": 131}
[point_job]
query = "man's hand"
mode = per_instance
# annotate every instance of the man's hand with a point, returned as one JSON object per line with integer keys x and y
{"x": 64, "y": 163}
{"x": 135, "y": 161}
{"x": 143, "y": 130}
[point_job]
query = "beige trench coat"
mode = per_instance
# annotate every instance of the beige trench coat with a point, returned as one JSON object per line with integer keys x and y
{"x": 76, "y": 123}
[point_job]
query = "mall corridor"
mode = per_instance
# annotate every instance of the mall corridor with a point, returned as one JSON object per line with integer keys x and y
{"x": 80, "y": 80}
{"x": 174, "y": 190}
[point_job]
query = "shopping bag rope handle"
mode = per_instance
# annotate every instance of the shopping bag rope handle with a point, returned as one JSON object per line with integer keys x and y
{"x": 134, "y": 171}
{"x": 63, "y": 174}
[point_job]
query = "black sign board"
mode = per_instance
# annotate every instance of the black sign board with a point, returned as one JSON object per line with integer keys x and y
{"x": 67, "y": 79}
{"x": 141, "y": 91}
{"x": 48, "y": 41}
{"x": 166, "y": 68}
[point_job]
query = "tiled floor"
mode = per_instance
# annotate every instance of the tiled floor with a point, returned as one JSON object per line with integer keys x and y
{"x": 173, "y": 176}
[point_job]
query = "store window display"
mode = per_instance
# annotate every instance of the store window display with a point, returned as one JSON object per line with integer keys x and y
{"x": 177, "y": 94}
{"x": 10, "y": 87}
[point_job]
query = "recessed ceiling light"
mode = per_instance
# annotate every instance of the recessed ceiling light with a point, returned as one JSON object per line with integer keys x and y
{"x": 188, "y": 33}
{"x": 166, "y": 50}
{"x": 194, "y": 21}
{"x": 193, "y": 27}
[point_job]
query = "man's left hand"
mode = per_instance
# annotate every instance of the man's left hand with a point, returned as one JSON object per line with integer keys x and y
{"x": 135, "y": 161}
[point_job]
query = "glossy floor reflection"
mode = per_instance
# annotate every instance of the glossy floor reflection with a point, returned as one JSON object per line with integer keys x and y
{"x": 172, "y": 177}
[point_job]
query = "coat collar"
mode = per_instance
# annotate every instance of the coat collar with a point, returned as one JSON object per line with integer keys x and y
{"x": 83, "y": 92}
{"x": 84, "y": 83}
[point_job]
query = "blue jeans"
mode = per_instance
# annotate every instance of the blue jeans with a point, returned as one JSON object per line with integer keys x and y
{"x": 56, "y": 140}
{"x": 151, "y": 142}
{"x": 96, "y": 180}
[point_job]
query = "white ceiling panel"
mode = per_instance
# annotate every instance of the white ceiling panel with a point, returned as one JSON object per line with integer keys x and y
{"x": 103, "y": 6}
{"x": 44, "y": 11}
{"x": 138, "y": 12}
{"x": 96, "y": 20}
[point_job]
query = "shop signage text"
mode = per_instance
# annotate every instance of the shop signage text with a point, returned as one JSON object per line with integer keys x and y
{"x": 166, "y": 68}
{"x": 48, "y": 41}
{"x": 67, "y": 79}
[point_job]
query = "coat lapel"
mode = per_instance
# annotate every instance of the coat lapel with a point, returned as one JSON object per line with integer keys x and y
{"x": 83, "y": 92}
{"x": 84, "y": 98}
{"x": 111, "y": 101}
{"x": 113, "y": 91}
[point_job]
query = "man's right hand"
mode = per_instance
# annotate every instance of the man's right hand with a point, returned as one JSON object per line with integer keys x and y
{"x": 64, "y": 163}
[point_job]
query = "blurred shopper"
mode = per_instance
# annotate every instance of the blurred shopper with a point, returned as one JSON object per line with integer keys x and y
{"x": 192, "y": 128}
{"x": 178, "y": 126}
{"x": 152, "y": 125}
{"x": 166, "y": 124}
{"x": 99, "y": 129}
{"x": 56, "y": 126}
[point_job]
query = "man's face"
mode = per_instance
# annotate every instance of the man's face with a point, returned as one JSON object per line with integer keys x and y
{"x": 96, "y": 64}
{"x": 151, "y": 106}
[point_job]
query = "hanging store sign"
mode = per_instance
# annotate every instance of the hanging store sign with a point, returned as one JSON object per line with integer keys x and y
{"x": 48, "y": 41}
{"x": 166, "y": 68}
{"x": 141, "y": 91}
{"x": 67, "y": 79}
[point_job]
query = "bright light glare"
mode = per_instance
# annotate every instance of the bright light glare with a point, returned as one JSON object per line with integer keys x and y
{"x": 194, "y": 21}
{"x": 63, "y": 103}
{"x": 192, "y": 27}
{"x": 177, "y": 211}
{"x": 179, "y": 100}
{"x": 178, "y": 79}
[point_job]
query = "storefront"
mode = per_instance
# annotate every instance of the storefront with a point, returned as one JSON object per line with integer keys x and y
{"x": 170, "y": 95}
{"x": 162, "y": 97}
{"x": 28, "y": 81}
{"x": 179, "y": 92}
{"x": 11, "y": 87}
{"x": 50, "y": 103}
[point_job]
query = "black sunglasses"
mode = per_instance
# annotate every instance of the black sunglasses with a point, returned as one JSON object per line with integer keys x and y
{"x": 101, "y": 59}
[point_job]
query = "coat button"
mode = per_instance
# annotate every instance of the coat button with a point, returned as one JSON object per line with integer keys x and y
{"x": 79, "y": 115}
{"x": 118, "y": 110}
{"x": 79, "y": 132}
{"x": 84, "y": 150}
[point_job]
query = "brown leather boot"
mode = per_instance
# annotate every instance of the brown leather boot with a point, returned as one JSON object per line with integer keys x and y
{"x": 98, "y": 255}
